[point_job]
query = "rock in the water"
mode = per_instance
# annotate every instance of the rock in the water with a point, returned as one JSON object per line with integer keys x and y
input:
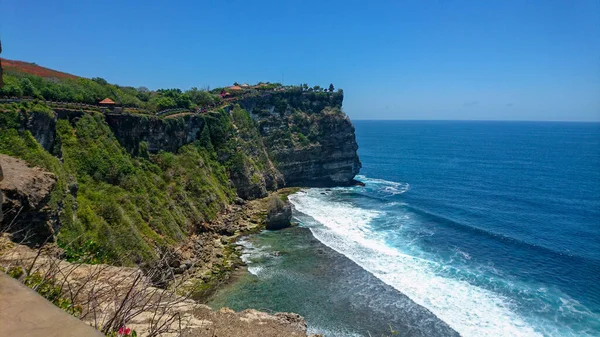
{"x": 279, "y": 214}
{"x": 357, "y": 183}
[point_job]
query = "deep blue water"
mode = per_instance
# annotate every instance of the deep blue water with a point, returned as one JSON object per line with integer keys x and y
{"x": 493, "y": 227}
{"x": 520, "y": 201}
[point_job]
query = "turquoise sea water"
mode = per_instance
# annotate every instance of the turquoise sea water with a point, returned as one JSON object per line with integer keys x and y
{"x": 476, "y": 228}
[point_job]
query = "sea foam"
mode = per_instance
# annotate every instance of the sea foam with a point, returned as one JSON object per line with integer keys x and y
{"x": 470, "y": 310}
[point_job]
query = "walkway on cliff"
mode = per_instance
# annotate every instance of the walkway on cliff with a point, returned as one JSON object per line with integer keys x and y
{"x": 23, "y": 312}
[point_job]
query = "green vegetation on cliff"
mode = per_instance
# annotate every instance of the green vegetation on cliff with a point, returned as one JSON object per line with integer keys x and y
{"x": 91, "y": 91}
{"x": 240, "y": 146}
{"x": 119, "y": 206}
{"x": 128, "y": 205}
{"x": 134, "y": 204}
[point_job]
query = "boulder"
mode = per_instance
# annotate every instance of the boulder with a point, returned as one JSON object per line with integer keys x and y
{"x": 279, "y": 214}
{"x": 26, "y": 193}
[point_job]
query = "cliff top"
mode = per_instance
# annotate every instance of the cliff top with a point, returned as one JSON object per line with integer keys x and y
{"x": 30, "y": 81}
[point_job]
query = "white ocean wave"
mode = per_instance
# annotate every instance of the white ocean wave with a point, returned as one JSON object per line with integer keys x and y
{"x": 383, "y": 186}
{"x": 470, "y": 310}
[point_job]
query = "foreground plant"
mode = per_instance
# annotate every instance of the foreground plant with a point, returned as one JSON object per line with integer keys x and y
{"x": 123, "y": 332}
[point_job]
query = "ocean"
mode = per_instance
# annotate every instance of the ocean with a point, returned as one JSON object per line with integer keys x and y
{"x": 470, "y": 228}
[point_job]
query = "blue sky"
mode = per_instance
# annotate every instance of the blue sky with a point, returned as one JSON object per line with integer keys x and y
{"x": 508, "y": 60}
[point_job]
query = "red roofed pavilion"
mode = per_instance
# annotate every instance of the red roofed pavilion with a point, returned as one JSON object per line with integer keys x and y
{"x": 107, "y": 101}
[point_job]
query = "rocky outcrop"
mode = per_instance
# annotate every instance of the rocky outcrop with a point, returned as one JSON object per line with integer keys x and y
{"x": 329, "y": 160}
{"x": 308, "y": 136}
{"x": 41, "y": 125}
{"x": 27, "y": 192}
{"x": 43, "y": 128}
{"x": 279, "y": 214}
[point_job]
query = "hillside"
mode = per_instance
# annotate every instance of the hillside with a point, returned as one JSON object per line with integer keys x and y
{"x": 130, "y": 187}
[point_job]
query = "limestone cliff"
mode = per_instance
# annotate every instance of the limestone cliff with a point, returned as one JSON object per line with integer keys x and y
{"x": 133, "y": 131}
{"x": 308, "y": 136}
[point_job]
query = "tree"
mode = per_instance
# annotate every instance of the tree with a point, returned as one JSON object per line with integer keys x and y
{"x": 172, "y": 93}
{"x": 200, "y": 97}
{"x": 331, "y": 87}
{"x": 99, "y": 80}
{"x": 165, "y": 103}
{"x": 304, "y": 87}
{"x": 317, "y": 88}
{"x": 50, "y": 93}
{"x": 12, "y": 90}
{"x": 143, "y": 94}
{"x": 28, "y": 88}
{"x": 183, "y": 101}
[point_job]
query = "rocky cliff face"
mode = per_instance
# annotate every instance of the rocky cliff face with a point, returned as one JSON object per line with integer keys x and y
{"x": 43, "y": 128}
{"x": 231, "y": 134}
{"x": 27, "y": 191}
{"x": 307, "y": 135}
{"x": 159, "y": 134}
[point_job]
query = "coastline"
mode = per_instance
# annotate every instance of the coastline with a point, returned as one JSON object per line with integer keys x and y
{"x": 291, "y": 270}
{"x": 225, "y": 265}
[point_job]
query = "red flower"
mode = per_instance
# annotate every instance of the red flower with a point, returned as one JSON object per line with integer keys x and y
{"x": 127, "y": 331}
{"x": 122, "y": 330}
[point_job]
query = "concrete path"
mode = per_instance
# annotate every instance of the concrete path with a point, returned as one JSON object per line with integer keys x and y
{"x": 23, "y": 312}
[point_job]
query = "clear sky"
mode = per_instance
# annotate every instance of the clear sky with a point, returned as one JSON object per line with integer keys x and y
{"x": 512, "y": 60}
